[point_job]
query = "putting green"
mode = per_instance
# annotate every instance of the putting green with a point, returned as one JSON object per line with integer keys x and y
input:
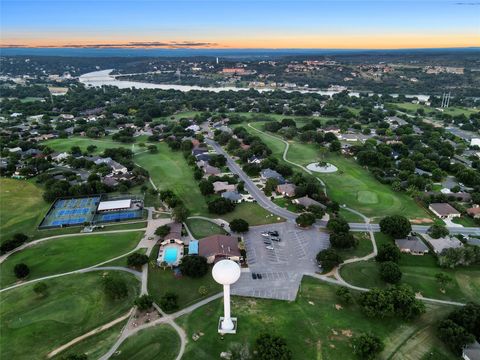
{"x": 367, "y": 197}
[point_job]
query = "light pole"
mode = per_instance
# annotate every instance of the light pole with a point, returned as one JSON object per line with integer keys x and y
{"x": 226, "y": 272}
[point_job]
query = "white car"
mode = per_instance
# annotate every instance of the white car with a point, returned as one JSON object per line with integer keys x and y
{"x": 269, "y": 247}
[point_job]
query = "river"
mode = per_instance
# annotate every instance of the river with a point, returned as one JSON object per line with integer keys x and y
{"x": 103, "y": 78}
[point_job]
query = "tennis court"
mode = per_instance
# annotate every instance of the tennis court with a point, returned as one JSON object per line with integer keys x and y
{"x": 118, "y": 216}
{"x": 69, "y": 212}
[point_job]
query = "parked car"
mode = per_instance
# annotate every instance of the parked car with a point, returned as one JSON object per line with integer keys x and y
{"x": 269, "y": 247}
{"x": 267, "y": 241}
{"x": 254, "y": 276}
{"x": 274, "y": 238}
{"x": 259, "y": 276}
{"x": 273, "y": 233}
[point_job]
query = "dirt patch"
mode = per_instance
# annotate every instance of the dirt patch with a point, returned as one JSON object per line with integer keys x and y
{"x": 338, "y": 307}
{"x": 347, "y": 333}
{"x": 421, "y": 221}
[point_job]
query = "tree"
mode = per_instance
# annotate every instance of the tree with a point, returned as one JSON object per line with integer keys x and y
{"x": 206, "y": 187}
{"x": 443, "y": 279}
{"x": 437, "y": 231}
{"x": 345, "y": 295}
{"x": 338, "y": 225}
{"x": 180, "y": 213}
{"x": 454, "y": 335}
{"x": 367, "y": 346}
{"x": 144, "y": 302}
{"x": 271, "y": 347}
{"x": 169, "y": 301}
{"x": 239, "y": 226}
{"x": 137, "y": 260}
{"x": 220, "y": 206}
{"x": 316, "y": 210}
{"x": 396, "y": 226}
{"x": 163, "y": 231}
{"x": 21, "y": 270}
{"x": 115, "y": 287}
{"x": 328, "y": 259}
{"x": 41, "y": 289}
{"x": 390, "y": 272}
{"x": 388, "y": 252}
{"x": 343, "y": 240}
{"x": 194, "y": 266}
{"x": 305, "y": 219}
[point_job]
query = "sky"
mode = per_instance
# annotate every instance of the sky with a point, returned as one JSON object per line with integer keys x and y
{"x": 317, "y": 24}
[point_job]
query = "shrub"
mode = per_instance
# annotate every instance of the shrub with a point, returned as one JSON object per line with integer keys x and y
{"x": 21, "y": 271}
{"x": 367, "y": 346}
{"x": 271, "y": 347}
{"x": 169, "y": 301}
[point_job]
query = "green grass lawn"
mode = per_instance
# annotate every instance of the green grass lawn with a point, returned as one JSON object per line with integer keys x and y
{"x": 352, "y": 184}
{"x": 83, "y": 142}
{"x": 67, "y": 254}
{"x": 253, "y": 213}
{"x": 363, "y": 248}
{"x": 286, "y": 204}
{"x": 159, "y": 342}
{"x": 21, "y": 207}
{"x": 311, "y": 325}
{"x": 350, "y": 216}
{"x": 33, "y": 326}
{"x": 161, "y": 281}
{"x": 419, "y": 273}
{"x": 169, "y": 170}
{"x": 203, "y": 228}
{"x": 95, "y": 346}
{"x": 123, "y": 260}
{"x": 466, "y": 221}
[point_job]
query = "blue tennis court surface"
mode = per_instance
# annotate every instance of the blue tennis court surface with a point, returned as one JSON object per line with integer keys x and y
{"x": 114, "y": 216}
{"x": 68, "y": 212}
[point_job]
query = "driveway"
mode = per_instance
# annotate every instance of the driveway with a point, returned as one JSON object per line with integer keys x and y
{"x": 283, "y": 267}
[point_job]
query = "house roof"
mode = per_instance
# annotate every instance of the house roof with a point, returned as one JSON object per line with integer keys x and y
{"x": 216, "y": 245}
{"x": 175, "y": 231}
{"x": 114, "y": 204}
{"x": 272, "y": 174}
{"x": 473, "y": 211}
{"x": 231, "y": 195}
{"x": 222, "y": 186}
{"x": 286, "y": 188}
{"x": 211, "y": 170}
{"x": 472, "y": 351}
{"x": 412, "y": 243}
{"x": 444, "y": 209}
{"x": 306, "y": 201}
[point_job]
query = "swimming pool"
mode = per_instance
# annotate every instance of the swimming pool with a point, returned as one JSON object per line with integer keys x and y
{"x": 170, "y": 255}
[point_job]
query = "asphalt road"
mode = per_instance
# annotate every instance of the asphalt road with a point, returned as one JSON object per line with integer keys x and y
{"x": 267, "y": 204}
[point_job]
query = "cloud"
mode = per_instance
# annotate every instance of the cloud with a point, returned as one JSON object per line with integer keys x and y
{"x": 133, "y": 44}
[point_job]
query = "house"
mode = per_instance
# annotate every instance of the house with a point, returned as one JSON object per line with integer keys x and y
{"x": 272, "y": 174}
{"x": 210, "y": 170}
{"x": 412, "y": 245}
{"x": 110, "y": 181}
{"x": 444, "y": 210}
{"x": 219, "y": 247}
{"x": 471, "y": 351}
{"x": 193, "y": 127}
{"x": 287, "y": 190}
{"x": 203, "y": 157}
{"x": 254, "y": 160}
{"x": 60, "y": 156}
{"x": 117, "y": 168}
{"x": 233, "y": 196}
{"x": 199, "y": 150}
{"x": 474, "y": 212}
{"x": 221, "y": 186}
{"x": 306, "y": 202}
{"x": 175, "y": 231}
{"x": 441, "y": 244}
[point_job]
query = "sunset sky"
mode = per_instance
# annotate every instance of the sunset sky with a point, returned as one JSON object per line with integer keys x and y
{"x": 385, "y": 24}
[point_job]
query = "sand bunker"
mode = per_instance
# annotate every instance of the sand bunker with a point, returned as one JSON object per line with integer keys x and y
{"x": 328, "y": 168}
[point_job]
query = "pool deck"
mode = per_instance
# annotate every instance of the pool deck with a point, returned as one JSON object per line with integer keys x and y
{"x": 163, "y": 251}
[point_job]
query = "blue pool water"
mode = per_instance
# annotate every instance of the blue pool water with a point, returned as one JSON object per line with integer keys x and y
{"x": 170, "y": 255}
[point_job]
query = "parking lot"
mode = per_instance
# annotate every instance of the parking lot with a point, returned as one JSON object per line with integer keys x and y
{"x": 282, "y": 267}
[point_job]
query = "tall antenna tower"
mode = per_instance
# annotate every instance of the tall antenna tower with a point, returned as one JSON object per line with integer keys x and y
{"x": 217, "y": 60}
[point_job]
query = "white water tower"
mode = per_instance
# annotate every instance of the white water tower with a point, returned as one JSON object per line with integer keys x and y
{"x": 226, "y": 272}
